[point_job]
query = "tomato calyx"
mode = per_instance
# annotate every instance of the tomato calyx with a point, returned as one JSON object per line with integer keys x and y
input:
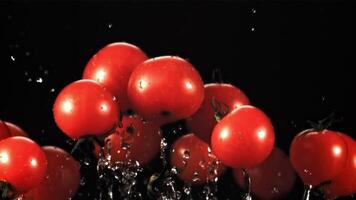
{"x": 220, "y": 109}
{"x": 6, "y": 190}
{"x": 325, "y": 123}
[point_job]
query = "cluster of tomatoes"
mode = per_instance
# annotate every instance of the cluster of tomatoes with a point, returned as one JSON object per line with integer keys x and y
{"x": 31, "y": 172}
{"x": 125, "y": 97}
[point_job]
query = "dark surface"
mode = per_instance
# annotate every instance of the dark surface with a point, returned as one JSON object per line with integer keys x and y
{"x": 294, "y": 60}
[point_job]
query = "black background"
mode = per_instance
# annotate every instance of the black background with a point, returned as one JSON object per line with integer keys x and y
{"x": 293, "y": 60}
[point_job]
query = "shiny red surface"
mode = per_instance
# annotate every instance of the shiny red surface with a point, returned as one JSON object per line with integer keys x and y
{"x": 192, "y": 155}
{"x": 85, "y": 108}
{"x": 112, "y": 67}
{"x": 318, "y": 156}
{"x": 165, "y": 89}
{"x": 243, "y": 138}
{"x": 23, "y": 163}
{"x": 203, "y": 121}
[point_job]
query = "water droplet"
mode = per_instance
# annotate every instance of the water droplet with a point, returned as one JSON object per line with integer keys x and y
{"x": 195, "y": 177}
{"x": 186, "y": 154}
{"x": 52, "y": 90}
{"x": 253, "y": 10}
{"x": 275, "y": 190}
{"x": 253, "y": 29}
{"x": 13, "y": 58}
{"x": 26, "y": 73}
{"x": 279, "y": 174}
{"x": 202, "y": 164}
{"x": 307, "y": 172}
{"x": 187, "y": 189}
{"x": 39, "y": 80}
{"x": 110, "y": 25}
{"x": 27, "y": 53}
{"x": 29, "y": 80}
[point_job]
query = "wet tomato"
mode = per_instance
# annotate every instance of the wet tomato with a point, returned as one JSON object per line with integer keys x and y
{"x": 112, "y": 67}
{"x": 243, "y": 138}
{"x": 194, "y": 161}
{"x": 165, "y": 89}
{"x": 85, "y": 108}
{"x": 272, "y": 179}
{"x": 23, "y": 163}
{"x": 318, "y": 156}
{"x": 136, "y": 140}
{"x": 344, "y": 184}
{"x": 219, "y": 99}
{"x": 62, "y": 179}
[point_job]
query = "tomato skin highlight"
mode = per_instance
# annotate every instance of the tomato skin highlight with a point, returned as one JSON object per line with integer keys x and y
{"x": 243, "y": 138}
{"x": 84, "y": 108}
{"x": 22, "y": 153}
{"x": 190, "y": 155}
{"x": 274, "y": 178}
{"x": 112, "y": 67}
{"x": 318, "y": 156}
{"x": 142, "y": 138}
{"x": 203, "y": 121}
{"x": 344, "y": 184}
{"x": 62, "y": 179}
{"x": 165, "y": 89}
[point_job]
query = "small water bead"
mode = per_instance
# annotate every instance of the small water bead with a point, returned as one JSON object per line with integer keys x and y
{"x": 195, "y": 177}
{"x": 186, "y": 154}
{"x": 275, "y": 190}
{"x": 13, "y": 58}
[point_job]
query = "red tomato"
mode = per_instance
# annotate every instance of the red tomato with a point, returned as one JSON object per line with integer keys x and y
{"x": 23, "y": 163}
{"x": 165, "y": 89}
{"x": 194, "y": 160}
{"x": 272, "y": 179}
{"x": 344, "y": 184}
{"x": 85, "y": 108}
{"x": 135, "y": 140}
{"x": 203, "y": 121}
{"x": 243, "y": 138}
{"x": 112, "y": 67}
{"x": 8, "y": 129}
{"x": 63, "y": 176}
{"x": 318, "y": 156}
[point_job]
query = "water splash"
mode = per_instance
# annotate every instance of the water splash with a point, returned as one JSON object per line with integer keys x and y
{"x": 117, "y": 178}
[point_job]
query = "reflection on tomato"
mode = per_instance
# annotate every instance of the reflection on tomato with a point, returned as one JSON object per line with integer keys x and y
{"x": 194, "y": 160}
{"x": 344, "y": 184}
{"x": 85, "y": 108}
{"x": 136, "y": 140}
{"x": 225, "y": 97}
{"x": 272, "y": 179}
{"x": 112, "y": 67}
{"x": 243, "y": 138}
{"x": 62, "y": 179}
{"x": 165, "y": 89}
{"x": 318, "y": 156}
{"x": 23, "y": 163}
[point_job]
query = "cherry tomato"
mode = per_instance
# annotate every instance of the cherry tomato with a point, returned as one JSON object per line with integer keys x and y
{"x": 8, "y": 129}
{"x": 63, "y": 176}
{"x": 318, "y": 156}
{"x": 194, "y": 160}
{"x": 272, "y": 179}
{"x": 165, "y": 89}
{"x": 136, "y": 140}
{"x": 85, "y": 108}
{"x": 23, "y": 163}
{"x": 344, "y": 184}
{"x": 243, "y": 138}
{"x": 225, "y": 98}
{"x": 112, "y": 67}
